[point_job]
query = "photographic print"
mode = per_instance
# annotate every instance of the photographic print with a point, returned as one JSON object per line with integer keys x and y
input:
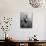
{"x": 25, "y": 20}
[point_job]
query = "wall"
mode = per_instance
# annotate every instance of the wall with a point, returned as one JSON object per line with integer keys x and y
{"x": 12, "y": 8}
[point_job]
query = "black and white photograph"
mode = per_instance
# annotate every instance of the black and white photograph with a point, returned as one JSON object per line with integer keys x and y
{"x": 26, "y": 20}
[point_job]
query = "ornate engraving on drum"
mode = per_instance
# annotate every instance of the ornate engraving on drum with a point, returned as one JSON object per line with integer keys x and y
{"x": 35, "y": 3}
